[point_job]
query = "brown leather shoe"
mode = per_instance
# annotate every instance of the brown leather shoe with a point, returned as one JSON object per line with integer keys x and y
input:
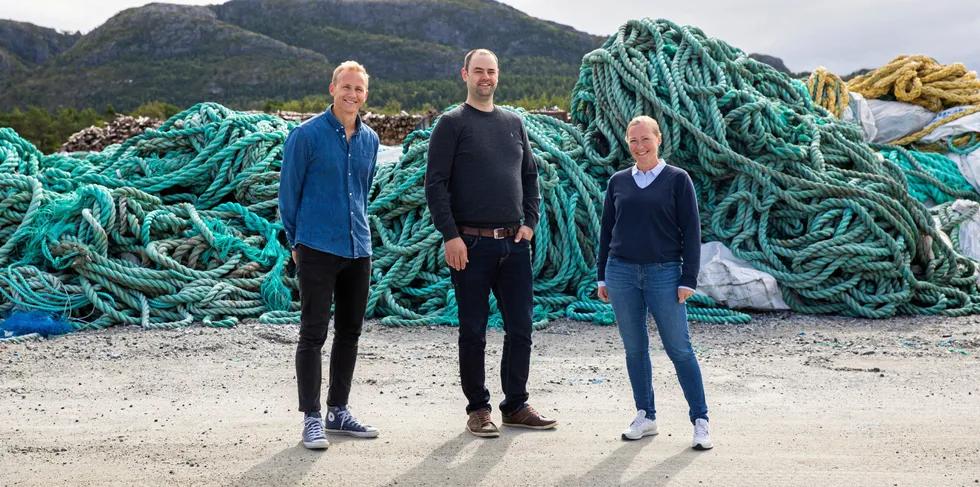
{"x": 529, "y": 418}
{"x": 480, "y": 424}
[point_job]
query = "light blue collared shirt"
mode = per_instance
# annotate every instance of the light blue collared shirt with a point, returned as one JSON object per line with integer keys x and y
{"x": 644, "y": 179}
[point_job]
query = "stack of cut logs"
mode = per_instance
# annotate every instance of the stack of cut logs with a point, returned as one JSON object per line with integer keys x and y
{"x": 117, "y": 131}
{"x": 391, "y": 129}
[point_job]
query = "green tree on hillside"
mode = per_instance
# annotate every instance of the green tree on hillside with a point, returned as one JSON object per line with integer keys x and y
{"x": 156, "y": 109}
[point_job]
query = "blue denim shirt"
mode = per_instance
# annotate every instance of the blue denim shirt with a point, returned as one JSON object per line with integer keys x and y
{"x": 324, "y": 185}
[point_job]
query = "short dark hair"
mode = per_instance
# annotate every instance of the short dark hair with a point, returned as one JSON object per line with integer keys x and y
{"x": 469, "y": 55}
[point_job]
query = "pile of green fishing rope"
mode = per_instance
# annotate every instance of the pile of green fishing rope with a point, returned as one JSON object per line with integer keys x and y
{"x": 951, "y": 215}
{"x": 411, "y": 280}
{"x": 932, "y": 177}
{"x": 173, "y": 227}
{"x": 180, "y": 225}
{"x": 780, "y": 181}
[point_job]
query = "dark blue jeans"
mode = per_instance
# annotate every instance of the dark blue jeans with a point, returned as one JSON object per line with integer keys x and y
{"x": 504, "y": 268}
{"x": 638, "y": 289}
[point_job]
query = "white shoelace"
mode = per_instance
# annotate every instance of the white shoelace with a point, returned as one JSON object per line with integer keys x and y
{"x": 314, "y": 428}
{"x": 346, "y": 418}
{"x": 701, "y": 429}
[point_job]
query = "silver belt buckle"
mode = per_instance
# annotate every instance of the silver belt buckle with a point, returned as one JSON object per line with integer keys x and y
{"x": 498, "y": 233}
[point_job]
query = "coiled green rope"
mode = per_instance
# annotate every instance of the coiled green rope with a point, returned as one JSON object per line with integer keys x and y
{"x": 179, "y": 225}
{"x": 781, "y": 182}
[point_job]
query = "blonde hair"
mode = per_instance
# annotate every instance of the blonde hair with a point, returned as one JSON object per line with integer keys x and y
{"x": 643, "y": 119}
{"x": 350, "y": 66}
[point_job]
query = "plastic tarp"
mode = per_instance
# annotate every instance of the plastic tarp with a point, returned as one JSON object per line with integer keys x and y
{"x": 387, "y": 154}
{"x": 896, "y": 119}
{"x": 969, "y": 166}
{"x": 733, "y": 282}
{"x": 951, "y": 130}
{"x": 859, "y": 112}
{"x": 969, "y": 230}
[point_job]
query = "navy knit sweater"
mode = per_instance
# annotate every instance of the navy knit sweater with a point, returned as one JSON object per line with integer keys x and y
{"x": 656, "y": 224}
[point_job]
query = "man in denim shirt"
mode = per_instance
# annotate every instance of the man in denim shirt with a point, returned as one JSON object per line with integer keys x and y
{"x": 327, "y": 168}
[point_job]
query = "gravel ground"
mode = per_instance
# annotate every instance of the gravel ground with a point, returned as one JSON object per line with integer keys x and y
{"x": 794, "y": 400}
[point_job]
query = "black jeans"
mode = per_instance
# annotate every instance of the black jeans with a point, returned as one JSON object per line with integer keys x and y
{"x": 326, "y": 278}
{"x": 503, "y": 267}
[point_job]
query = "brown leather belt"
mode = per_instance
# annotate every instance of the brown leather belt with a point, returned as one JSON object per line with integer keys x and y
{"x": 496, "y": 233}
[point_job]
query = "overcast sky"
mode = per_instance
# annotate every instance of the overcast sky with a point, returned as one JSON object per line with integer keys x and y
{"x": 843, "y": 35}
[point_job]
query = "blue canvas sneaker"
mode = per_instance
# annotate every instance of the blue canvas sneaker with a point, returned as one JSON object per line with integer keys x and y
{"x": 313, "y": 437}
{"x": 341, "y": 421}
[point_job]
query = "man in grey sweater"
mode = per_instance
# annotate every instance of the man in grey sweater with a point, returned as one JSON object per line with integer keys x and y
{"x": 481, "y": 186}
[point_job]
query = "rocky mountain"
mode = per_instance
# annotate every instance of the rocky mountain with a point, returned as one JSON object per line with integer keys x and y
{"x": 773, "y": 61}
{"x": 245, "y": 51}
{"x": 176, "y": 53}
{"x": 24, "y": 46}
{"x": 420, "y": 39}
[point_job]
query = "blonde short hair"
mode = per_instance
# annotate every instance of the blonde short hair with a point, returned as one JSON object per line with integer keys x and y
{"x": 350, "y": 66}
{"x": 643, "y": 119}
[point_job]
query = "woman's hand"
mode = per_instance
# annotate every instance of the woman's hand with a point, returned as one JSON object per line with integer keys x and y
{"x": 683, "y": 294}
{"x": 603, "y": 294}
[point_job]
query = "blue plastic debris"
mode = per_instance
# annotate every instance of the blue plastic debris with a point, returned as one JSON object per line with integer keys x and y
{"x": 26, "y": 322}
{"x": 595, "y": 380}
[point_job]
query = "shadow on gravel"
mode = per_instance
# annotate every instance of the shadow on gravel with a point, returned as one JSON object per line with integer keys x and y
{"x": 610, "y": 470}
{"x": 286, "y": 468}
{"x": 442, "y": 466}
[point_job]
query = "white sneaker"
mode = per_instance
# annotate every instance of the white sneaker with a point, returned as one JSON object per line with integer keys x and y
{"x": 702, "y": 440}
{"x": 640, "y": 427}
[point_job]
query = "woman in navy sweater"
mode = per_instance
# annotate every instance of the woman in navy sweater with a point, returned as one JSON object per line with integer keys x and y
{"x": 649, "y": 255}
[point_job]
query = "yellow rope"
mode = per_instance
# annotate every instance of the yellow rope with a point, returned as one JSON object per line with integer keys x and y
{"x": 921, "y": 80}
{"x": 828, "y": 91}
{"x": 943, "y": 148}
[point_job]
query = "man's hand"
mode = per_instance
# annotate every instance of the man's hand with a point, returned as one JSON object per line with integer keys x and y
{"x": 524, "y": 233}
{"x": 683, "y": 294}
{"x": 603, "y": 294}
{"x": 294, "y": 257}
{"x": 456, "y": 254}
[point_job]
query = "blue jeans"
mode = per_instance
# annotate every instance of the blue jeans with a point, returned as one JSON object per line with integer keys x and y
{"x": 502, "y": 267}
{"x": 635, "y": 289}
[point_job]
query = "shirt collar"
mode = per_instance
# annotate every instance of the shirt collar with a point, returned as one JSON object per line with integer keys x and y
{"x": 332, "y": 120}
{"x": 659, "y": 168}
